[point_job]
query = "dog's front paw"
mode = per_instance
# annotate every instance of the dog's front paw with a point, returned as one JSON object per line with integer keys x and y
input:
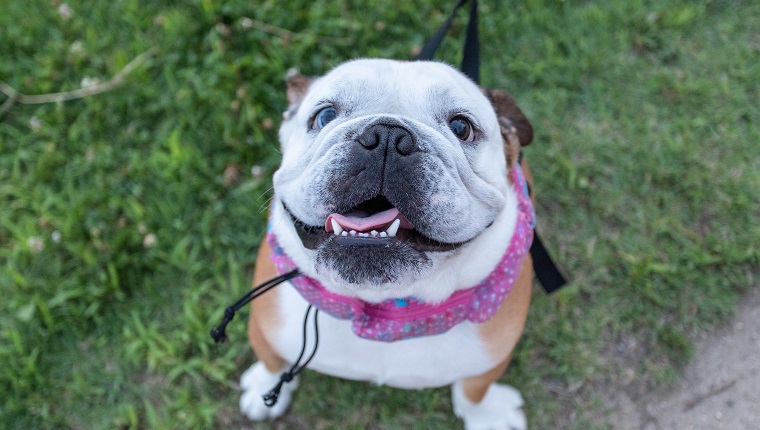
{"x": 258, "y": 381}
{"x": 500, "y": 409}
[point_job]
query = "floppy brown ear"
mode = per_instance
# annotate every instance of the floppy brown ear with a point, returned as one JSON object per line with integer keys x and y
{"x": 296, "y": 86}
{"x": 516, "y": 130}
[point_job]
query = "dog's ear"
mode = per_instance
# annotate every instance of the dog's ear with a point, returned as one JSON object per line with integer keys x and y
{"x": 296, "y": 86}
{"x": 516, "y": 130}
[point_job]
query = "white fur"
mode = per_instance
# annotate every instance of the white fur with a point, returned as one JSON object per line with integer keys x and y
{"x": 430, "y": 361}
{"x": 257, "y": 381}
{"x": 479, "y": 257}
{"x": 500, "y": 409}
{"x": 415, "y": 363}
{"x": 482, "y": 170}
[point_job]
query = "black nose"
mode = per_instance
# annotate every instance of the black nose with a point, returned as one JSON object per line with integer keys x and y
{"x": 388, "y": 135}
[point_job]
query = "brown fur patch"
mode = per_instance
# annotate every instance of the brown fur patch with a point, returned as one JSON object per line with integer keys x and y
{"x": 510, "y": 116}
{"x": 296, "y": 85}
{"x": 516, "y": 130}
{"x": 503, "y": 330}
{"x": 264, "y": 317}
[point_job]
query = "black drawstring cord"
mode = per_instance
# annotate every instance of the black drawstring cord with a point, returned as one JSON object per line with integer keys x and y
{"x": 270, "y": 398}
{"x": 218, "y": 333}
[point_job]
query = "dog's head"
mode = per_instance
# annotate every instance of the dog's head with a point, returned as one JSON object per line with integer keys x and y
{"x": 392, "y": 169}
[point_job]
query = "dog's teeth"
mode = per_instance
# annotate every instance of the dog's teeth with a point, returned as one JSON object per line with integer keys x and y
{"x": 373, "y": 233}
{"x": 352, "y": 232}
{"x": 345, "y": 233}
{"x": 393, "y": 229}
{"x": 383, "y": 234}
{"x": 337, "y": 229}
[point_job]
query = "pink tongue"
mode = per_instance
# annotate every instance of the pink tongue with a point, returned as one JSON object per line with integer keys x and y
{"x": 364, "y": 224}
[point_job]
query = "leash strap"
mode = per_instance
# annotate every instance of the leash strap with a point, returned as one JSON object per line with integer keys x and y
{"x": 471, "y": 54}
{"x": 471, "y": 57}
{"x": 547, "y": 272}
{"x": 427, "y": 52}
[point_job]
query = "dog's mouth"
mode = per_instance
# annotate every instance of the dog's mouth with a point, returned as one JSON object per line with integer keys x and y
{"x": 374, "y": 218}
{"x": 373, "y": 222}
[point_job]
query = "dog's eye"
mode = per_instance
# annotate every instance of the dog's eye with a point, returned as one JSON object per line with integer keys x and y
{"x": 462, "y": 129}
{"x": 323, "y": 117}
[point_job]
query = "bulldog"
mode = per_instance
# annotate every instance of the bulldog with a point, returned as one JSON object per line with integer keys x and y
{"x": 402, "y": 201}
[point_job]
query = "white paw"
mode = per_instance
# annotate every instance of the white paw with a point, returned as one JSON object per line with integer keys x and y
{"x": 257, "y": 381}
{"x": 500, "y": 409}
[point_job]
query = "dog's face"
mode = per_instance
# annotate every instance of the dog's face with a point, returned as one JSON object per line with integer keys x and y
{"x": 389, "y": 170}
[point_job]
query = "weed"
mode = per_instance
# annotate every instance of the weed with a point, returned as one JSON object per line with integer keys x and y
{"x": 129, "y": 218}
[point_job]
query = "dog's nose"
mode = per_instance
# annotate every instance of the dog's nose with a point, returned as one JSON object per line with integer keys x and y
{"x": 388, "y": 135}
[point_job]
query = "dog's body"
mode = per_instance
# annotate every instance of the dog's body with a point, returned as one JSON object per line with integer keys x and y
{"x": 371, "y": 137}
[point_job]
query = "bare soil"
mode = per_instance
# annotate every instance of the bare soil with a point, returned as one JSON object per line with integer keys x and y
{"x": 720, "y": 389}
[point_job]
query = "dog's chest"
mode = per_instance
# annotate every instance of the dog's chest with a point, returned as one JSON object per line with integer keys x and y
{"x": 414, "y": 363}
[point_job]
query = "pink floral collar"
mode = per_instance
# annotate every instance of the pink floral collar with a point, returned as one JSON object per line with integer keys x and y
{"x": 406, "y": 318}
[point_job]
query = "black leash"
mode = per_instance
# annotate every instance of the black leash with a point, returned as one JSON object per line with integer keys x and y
{"x": 471, "y": 55}
{"x": 547, "y": 272}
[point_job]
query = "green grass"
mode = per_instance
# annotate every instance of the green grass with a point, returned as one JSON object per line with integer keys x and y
{"x": 647, "y": 175}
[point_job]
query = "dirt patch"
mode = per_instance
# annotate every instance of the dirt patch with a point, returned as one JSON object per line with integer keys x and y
{"x": 718, "y": 390}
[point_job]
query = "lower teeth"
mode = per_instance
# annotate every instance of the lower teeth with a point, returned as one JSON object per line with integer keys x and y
{"x": 355, "y": 233}
{"x": 390, "y": 232}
